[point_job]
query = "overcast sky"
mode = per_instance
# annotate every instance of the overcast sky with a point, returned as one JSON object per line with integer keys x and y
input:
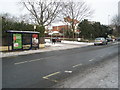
{"x": 104, "y": 9}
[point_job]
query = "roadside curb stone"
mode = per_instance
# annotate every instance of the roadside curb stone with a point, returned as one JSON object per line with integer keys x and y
{"x": 48, "y": 47}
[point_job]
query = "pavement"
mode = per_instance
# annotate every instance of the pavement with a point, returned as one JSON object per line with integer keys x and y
{"x": 48, "y": 47}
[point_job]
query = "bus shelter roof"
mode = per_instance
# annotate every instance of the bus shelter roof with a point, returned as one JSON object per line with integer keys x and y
{"x": 22, "y": 32}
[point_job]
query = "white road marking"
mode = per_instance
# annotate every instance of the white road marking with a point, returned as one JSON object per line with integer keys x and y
{"x": 35, "y": 60}
{"x": 20, "y": 62}
{"x": 32, "y": 60}
{"x": 77, "y": 65}
{"x": 102, "y": 56}
{"x": 68, "y": 71}
{"x": 110, "y": 53}
{"x": 27, "y": 61}
{"x": 91, "y": 59}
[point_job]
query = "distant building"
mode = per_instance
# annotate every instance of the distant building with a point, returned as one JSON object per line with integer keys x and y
{"x": 60, "y": 28}
{"x": 68, "y": 19}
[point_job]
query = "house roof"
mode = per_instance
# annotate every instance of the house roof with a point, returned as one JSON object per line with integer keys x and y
{"x": 68, "y": 19}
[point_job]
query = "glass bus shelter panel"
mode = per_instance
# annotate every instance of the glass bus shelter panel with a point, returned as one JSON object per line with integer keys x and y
{"x": 27, "y": 41}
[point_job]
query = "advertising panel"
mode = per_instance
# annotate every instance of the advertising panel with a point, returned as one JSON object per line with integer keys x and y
{"x": 17, "y": 41}
{"x": 35, "y": 40}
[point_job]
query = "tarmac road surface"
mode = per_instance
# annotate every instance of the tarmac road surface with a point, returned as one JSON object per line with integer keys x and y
{"x": 45, "y": 69}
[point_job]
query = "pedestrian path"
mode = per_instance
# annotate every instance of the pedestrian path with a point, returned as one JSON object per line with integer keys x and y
{"x": 48, "y": 47}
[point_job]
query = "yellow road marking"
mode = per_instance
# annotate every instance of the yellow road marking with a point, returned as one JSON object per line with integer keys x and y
{"x": 47, "y": 77}
{"x": 52, "y": 80}
{"x": 76, "y": 65}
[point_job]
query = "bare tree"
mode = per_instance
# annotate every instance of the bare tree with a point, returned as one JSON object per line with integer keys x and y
{"x": 116, "y": 23}
{"x": 75, "y": 12}
{"x": 43, "y": 12}
{"x": 116, "y": 20}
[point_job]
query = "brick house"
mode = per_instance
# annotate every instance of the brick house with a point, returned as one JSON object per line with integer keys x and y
{"x": 60, "y": 29}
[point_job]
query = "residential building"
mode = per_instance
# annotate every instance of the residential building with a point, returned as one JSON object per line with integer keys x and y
{"x": 60, "y": 28}
{"x": 69, "y": 20}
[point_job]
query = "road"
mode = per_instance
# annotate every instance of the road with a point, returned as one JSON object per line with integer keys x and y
{"x": 48, "y": 68}
{"x": 102, "y": 75}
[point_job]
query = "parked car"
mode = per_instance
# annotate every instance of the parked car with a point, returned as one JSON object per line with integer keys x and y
{"x": 57, "y": 39}
{"x": 100, "y": 41}
{"x": 109, "y": 40}
{"x": 118, "y": 39}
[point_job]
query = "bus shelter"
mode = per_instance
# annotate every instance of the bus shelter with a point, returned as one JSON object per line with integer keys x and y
{"x": 22, "y": 40}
